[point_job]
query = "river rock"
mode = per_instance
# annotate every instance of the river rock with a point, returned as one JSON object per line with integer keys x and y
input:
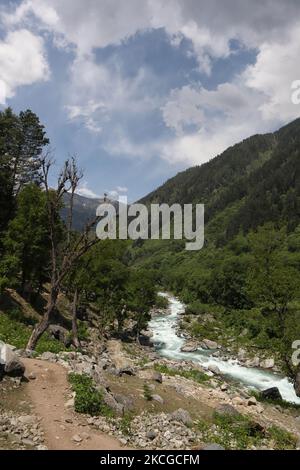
{"x": 11, "y": 364}
{"x": 189, "y": 346}
{"x": 254, "y": 362}
{"x": 214, "y": 369}
{"x": 271, "y": 394}
{"x": 209, "y": 344}
{"x": 267, "y": 363}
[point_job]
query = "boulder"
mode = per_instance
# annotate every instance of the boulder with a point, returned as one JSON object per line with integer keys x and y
{"x": 226, "y": 410}
{"x": 125, "y": 401}
{"x": 214, "y": 369}
{"x": 183, "y": 416}
{"x": 267, "y": 363}
{"x": 189, "y": 346}
{"x": 10, "y": 362}
{"x": 60, "y": 333}
{"x": 151, "y": 375}
{"x": 271, "y": 394}
{"x": 254, "y": 362}
{"x": 209, "y": 344}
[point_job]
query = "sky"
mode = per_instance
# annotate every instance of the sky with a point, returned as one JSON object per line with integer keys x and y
{"x": 142, "y": 89}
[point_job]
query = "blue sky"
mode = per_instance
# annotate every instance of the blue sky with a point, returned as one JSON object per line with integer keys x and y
{"x": 142, "y": 89}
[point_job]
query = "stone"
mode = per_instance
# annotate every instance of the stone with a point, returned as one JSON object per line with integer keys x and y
{"x": 212, "y": 446}
{"x": 272, "y": 393}
{"x": 189, "y": 346}
{"x": 77, "y": 438}
{"x": 183, "y": 416}
{"x": 151, "y": 375}
{"x": 224, "y": 387}
{"x": 32, "y": 376}
{"x": 11, "y": 364}
{"x": 214, "y": 369}
{"x": 254, "y": 362}
{"x": 41, "y": 447}
{"x": 210, "y": 344}
{"x": 128, "y": 370}
{"x": 60, "y": 333}
{"x": 238, "y": 401}
{"x": 158, "y": 398}
{"x": 151, "y": 435}
{"x": 226, "y": 410}
{"x": 70, "y": 403}
{"x": 267, "y": 363}
{"x": 125, "y": 401}
{"x": 252, "y": 401}
{"x": 242, "y": 354}
{"x": 49, "y": 356}
{"x": 112, "y": 403}
{"x": 26, "y": 419}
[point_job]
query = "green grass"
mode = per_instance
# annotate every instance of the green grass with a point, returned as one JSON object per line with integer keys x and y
{"x": 192, "y": 374}
{"x": 240, "y": 432}
{"x": 88, "y": 399}
{"x": 125, "y": 424}
{"x": 17, "y": 333}
{"x": 284, "y": 404}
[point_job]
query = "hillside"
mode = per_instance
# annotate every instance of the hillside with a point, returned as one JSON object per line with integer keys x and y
{"x": 255, "y": 181}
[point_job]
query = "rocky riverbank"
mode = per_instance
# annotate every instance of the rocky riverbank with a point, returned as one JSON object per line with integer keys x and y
{"x": 156, "y": 403}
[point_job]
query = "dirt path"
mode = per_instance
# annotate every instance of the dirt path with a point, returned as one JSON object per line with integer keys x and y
{"x": 48, "y": 394}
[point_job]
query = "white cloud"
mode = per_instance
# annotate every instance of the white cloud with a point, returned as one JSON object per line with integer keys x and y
{"x": 22, "y": 62}
{"x": 84, "y": 190}
{"x": 204, "y": 122}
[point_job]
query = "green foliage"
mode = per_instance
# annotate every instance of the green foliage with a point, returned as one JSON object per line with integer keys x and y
{"x": 88, "y": 399}
{"x": 125, "y": 424}
{"x": 14, "y": 330}
{"x": 161, "y": 302}
{"x": 147, "y": 392}
{"x": 240, "y": 432}
{"x": 192, "y": 374}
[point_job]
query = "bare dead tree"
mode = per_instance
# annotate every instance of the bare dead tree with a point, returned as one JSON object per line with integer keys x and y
{"x": 63, "y": 255}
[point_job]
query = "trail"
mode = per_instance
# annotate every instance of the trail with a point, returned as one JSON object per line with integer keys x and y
{"x": 48, "y": 394}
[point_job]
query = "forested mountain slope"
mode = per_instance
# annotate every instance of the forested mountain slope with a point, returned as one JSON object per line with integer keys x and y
{"x": 255, "y": 181}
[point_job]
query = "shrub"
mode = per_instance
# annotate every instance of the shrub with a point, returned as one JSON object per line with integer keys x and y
{"x": 88, "y": 399}
{"x": 147, "y": 392}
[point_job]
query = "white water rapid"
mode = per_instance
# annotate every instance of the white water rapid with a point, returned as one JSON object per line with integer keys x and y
{"x": 168, "y": 344}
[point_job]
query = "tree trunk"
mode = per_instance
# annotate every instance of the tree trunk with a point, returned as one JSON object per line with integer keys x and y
{"x": 42, "y": 326}
{"x": 75, "y": 339}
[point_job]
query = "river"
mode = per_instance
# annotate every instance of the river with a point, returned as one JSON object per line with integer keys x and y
{"x": 168, "y": 345}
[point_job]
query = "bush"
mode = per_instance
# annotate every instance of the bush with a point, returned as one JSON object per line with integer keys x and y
{"x": 88, "y": 399}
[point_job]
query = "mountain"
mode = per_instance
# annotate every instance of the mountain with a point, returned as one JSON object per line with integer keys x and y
{"x": 84, "y": 209}
{"x": 252, "y": 182}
